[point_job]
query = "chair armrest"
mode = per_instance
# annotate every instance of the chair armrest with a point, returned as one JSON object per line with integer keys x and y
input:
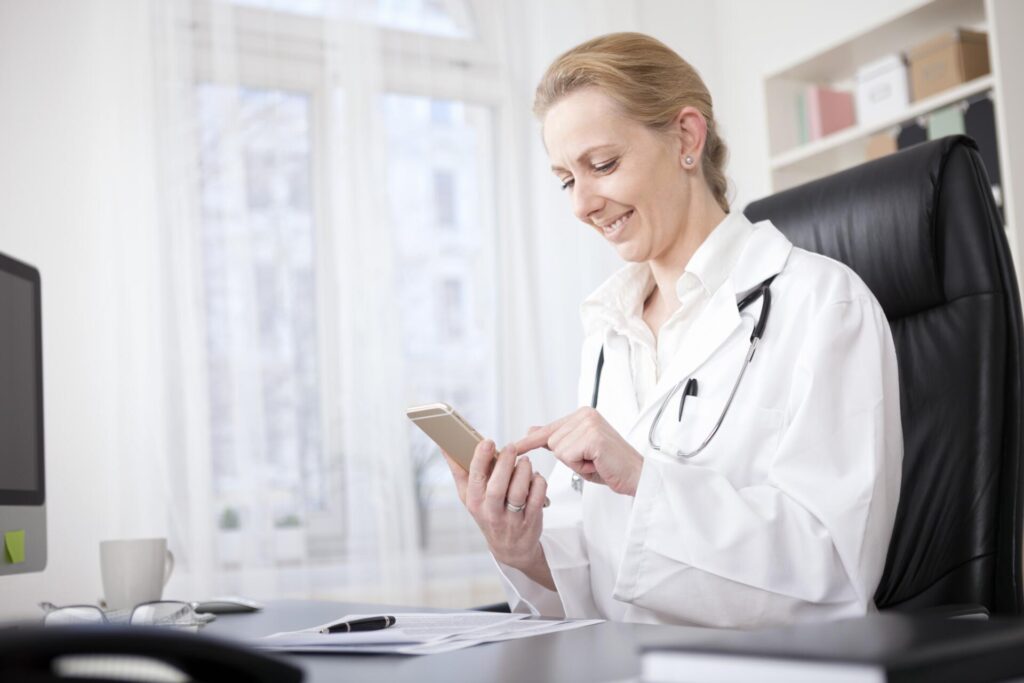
{"x": 977, "y": 612}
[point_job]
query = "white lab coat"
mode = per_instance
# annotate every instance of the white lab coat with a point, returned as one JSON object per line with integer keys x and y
{"x": 787, "y": 514}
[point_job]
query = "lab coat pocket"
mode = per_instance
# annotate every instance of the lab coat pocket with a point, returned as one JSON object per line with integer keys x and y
{"x": 684, "y": 434}
{"x": 743, "y": 447}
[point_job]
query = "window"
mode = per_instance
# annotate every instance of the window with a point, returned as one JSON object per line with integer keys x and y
{"x": 259, "y": 277}
{"x": 450, "y": 309}
{"x": 445, "y": 288}
{"x": 447, "y": 18}
{"x": 281, "y": 228}
{"x": 444, "y": 198}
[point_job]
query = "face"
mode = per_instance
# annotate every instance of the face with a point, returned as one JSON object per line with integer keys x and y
{"x": 626, "y": 181}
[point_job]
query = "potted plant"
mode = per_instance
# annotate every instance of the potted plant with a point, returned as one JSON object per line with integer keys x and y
{"x": 289, "y": 539}
{"x": 229, "y": 537}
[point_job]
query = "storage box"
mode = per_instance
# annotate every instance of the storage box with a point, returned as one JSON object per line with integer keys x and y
{"x": 827, "y": 110}
{"x": 946, "y": 61}
{"x": 882, "y": 89}
{"x": 880, "y": 145}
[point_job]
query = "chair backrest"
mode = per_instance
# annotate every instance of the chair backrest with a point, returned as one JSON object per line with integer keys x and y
{"x": 921, "y": 229}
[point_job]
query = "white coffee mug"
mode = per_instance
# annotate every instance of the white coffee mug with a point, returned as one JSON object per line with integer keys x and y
{"x": 134, "y": 571}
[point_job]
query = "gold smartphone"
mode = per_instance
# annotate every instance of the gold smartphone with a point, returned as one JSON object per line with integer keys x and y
{"x": 450, "y": 431}
{"x": 447, "y": 429}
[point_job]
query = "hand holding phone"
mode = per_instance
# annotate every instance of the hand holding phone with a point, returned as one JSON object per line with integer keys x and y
{"x": 450, "y": 431}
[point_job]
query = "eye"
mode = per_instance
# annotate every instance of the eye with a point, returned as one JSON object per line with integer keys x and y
{"x": 567, "y": 183}
{"x": 606, "y": 167}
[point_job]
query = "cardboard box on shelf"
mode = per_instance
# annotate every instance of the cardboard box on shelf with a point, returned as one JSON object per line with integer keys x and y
{"x": 947, "y": 61}
{"x": 882, "y": 89}
{"x": 880, "y": 145}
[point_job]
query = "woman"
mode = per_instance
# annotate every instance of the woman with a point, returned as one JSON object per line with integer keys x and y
{"x": 693, "y": 493}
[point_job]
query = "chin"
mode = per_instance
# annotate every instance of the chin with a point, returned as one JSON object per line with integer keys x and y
{"x": 631, "y": 252}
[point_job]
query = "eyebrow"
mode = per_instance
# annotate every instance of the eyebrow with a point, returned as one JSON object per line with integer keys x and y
{"x": 587, "y": 152}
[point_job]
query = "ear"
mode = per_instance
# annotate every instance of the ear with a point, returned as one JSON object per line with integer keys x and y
{"x": 692, "y": 131}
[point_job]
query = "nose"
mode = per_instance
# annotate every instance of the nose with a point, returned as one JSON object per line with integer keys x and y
{"x": 585, "y": 201}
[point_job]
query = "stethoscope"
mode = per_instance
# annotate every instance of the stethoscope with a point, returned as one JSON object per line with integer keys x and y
{"x": 689, "y": 384}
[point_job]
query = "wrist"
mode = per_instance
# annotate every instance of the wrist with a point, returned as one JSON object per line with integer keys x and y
{"x": 538, "y": 569}
{"x": 638, "y": 470}
{"x": 523, "y": 560}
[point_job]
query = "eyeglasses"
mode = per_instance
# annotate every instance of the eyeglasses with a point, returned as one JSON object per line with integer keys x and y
{"x": 171, "y": 613}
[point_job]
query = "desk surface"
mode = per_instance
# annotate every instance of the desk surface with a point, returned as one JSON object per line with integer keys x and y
{"x": 603, "y": 652}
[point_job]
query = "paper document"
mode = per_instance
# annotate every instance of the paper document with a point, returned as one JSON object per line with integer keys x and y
{"x": 418, "y": 633}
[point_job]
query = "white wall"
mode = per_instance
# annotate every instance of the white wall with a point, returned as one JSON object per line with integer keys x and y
{"x": 755, "y": 38}
{"x": 77, "y": 201}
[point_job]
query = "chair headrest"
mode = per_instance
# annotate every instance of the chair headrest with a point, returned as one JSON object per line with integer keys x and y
{"x": 887, "y": 219}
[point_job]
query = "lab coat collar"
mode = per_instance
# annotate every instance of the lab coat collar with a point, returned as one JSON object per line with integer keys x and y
{"x": 618, "y": 302}
{"x": 715, "y": 259}
{"x": 764, "y": 255}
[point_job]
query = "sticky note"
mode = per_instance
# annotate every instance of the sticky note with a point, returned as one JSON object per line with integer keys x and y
{"x": 14, "y": 546}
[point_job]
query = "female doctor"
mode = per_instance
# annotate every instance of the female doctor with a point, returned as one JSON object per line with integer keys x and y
{"x": 737, "y": 462}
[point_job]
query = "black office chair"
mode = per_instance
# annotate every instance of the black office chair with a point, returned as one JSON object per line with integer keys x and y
{"x": 115, "y": 653}
{"x": 921, "y": 229}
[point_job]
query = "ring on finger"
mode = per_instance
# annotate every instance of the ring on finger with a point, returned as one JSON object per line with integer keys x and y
{"x": 514, "y": 508}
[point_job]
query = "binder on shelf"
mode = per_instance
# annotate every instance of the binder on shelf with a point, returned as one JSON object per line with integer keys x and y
{"x": 946, "y": 121}
{"x": 891, "y": 647}
{"x": 911, "y": 133}
{"x": 827, "y": 110}
{"x": 980, "y": 124}
{"x": 803, "y": 132}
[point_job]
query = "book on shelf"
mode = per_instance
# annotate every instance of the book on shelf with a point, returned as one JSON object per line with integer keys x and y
{"x": 886, "y": 647}
{"x": 827, "y": 110}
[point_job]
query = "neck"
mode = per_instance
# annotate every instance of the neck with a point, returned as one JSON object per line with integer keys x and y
{"x": 703, "y": 217}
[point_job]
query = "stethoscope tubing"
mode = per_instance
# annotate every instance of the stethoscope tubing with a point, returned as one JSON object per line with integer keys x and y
{"x": 763, "y": 292}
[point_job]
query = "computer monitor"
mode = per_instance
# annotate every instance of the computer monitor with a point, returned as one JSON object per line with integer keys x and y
{"x": 22, "y": 475}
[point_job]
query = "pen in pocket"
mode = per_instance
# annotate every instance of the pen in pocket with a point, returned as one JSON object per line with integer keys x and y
{"x": 690, "y": 390}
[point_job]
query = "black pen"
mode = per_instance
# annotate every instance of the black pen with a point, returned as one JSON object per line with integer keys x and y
{"x": 365, "y": 624}
{"x": 690, "y": 390}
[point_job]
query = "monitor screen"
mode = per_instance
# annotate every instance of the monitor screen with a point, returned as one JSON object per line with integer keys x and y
{"x": 21, "y": 420}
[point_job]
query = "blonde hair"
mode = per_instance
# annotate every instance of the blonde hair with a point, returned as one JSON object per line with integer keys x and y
{"x": 648, "y": 81}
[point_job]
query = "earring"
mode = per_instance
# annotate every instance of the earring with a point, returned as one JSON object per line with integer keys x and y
{"x": 688, "y": 160}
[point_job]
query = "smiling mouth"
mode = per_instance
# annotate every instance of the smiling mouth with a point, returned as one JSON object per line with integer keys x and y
{"x": 613, "y": 229}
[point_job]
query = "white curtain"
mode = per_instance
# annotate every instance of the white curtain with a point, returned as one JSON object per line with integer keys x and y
{"x": 355, "y": 217}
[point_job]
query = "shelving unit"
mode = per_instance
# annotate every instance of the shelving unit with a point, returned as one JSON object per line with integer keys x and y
{"x": 829, "y": 151}
{"x": 793, "y": 163}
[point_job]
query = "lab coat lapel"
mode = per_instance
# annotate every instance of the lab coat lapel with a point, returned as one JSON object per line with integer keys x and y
{"x": 715, "y": 324}
{"x": 764, "y": 255}
{"x": 617, "y": 398}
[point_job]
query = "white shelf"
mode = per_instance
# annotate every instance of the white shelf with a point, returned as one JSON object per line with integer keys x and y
{"x": 859, "y": 133}
{"x": 894, "y": 34}
{"x": 791, "y": 162}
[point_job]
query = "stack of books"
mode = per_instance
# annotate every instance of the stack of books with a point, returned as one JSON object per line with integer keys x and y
{"x": 889, "y": 647}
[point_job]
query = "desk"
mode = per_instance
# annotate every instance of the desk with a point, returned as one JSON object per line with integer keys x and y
{"x": 603, "y": 652}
